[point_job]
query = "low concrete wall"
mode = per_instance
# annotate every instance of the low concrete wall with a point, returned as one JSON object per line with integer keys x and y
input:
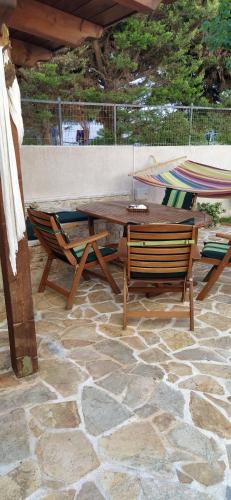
{"x": 56, "y": 173}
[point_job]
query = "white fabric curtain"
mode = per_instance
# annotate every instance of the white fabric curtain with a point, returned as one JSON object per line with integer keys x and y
{"x": 10, "y": 105}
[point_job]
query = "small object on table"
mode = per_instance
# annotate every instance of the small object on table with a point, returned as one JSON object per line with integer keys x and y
{"x": 137, "y": 207}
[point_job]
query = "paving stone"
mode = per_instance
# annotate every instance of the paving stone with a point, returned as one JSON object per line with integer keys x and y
{"x": 220, "y": 402}
{"x": 202, "y": 383}
{"x": 144, "y": 370}
{"x": 219, "y": 321}
{"x": 151, "y": 338}
{"x": 228, "y": 449}
{"x": 4, "y": 338}
{"x": 190, "y": 439}
{"x": 49, "y": 347}
{"x": 57, "y": 415}
{"x": 5, "y": 361}
{"x": 206, "y": 416}
{"x": 116, "y": 350}
{"x": 89, "y": 491}
{"x": 168, "y": 399}
{"x": 106, "y": 307}
{"x": 219, "y": 342}
{"x": 183, "y": 478}
{"x": 66, "y": 456}
{"x": 98, "y": 369}
{"x": 221, "y": 370}
{"x": 8, "y": 381}
{"x": 151, "y": 490}
{"x": 228, "y": 493}
{"x": 180, "y": 369}
{"x": 27, "y": 395}
{"x": 27, "y": 476}
{"x": 119, "y": 485}
{"x": 205, "y": 473}
{"x": 9, "y": 489}
{"x": 60, "y": 495}
{"x": 135, "y": 445}
{"x": 14, "y": 439}
{"x": 198, "y": 353}
{"x": 163, "y": 421}
{"x": 101, "y": 412}
{"x": 63, "y": 375}
{"x": 153, "y": 324}
{"x": 205, "y": 332}
{"x": 134, "y": 342}
{"x": 82, "y": 332}
{"x": 177, "y": 340}
{"x": 85, "y": 355}
{"x": 153, "y": 355}
{"x": 224, "y": 309}
{"x": 115, "y": 382}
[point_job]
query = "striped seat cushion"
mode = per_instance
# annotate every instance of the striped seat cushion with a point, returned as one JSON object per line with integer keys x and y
{"x": 215, "y": 250}
{"x": 78, "y": 252}
{"x": 178, "y": 199}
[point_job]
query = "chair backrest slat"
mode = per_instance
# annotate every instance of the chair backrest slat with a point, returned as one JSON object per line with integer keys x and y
{"x": 160, "y": 249}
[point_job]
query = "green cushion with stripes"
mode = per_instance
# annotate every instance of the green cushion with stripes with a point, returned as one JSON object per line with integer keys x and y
{"x": 78, "y": 252}
{"x": 215, "y": 250}
{"x": 178, "y": 199}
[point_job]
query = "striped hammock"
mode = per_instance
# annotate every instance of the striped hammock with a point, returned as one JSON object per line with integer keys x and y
{"x": 189, "y": 176}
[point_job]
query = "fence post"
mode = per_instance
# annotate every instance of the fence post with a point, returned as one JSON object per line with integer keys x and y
{"x": 190, "y": 125}
{"x": 115, "y": 125}
{"x": 60, "y": 121}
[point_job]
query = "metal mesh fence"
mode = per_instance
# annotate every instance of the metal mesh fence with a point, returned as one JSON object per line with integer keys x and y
{"x": 78, "y": 124}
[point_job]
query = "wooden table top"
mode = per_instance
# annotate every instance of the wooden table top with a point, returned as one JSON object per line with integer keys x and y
{"x": 116, "y": 211}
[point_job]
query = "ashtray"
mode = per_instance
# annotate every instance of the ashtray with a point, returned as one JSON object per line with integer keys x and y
{"x": 137, "y": 207}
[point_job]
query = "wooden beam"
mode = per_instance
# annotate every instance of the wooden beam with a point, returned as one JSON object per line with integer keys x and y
{"x": 52, "y": 24}
{"x": 18, "y": 294}
{"x": 140, "y": 5}
{"x": 6, "y": 7}
{"x": 27, "y": 54}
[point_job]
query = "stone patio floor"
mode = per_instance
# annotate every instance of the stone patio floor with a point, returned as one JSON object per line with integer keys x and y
{"x": 141, "y": 414}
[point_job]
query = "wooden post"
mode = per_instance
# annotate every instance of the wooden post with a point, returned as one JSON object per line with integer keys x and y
{"x": 18, "y": 293}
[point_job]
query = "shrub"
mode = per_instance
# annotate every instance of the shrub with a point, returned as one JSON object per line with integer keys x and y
{"x": 215, "y": 211}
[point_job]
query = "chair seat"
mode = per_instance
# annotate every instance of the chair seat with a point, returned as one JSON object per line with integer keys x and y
{"x": 105, "y": 251}
{"x": 150, "y": 276}
{"x": 215, "y": 250}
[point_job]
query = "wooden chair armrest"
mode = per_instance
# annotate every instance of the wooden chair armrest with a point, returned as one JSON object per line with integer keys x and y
{"x": 85, "y": 241}
{"x": 223, "y": 235}
{"x": 123, "y": 250}
{"x": 69, "y": 225}
{"x": 195, "y": 253}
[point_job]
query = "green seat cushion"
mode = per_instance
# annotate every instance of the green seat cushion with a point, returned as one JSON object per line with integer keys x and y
{"x": 178, "y": 199}
{"x": 215, "y": 250}
{"x": 78, "y": 252}
{"x": 150, "y": 276}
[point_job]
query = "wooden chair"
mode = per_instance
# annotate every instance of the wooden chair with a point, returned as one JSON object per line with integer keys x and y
{"x": 179, "y": 199}
{"x": 218, "y": 255}
{"x": 83, "y": 254}
{"x": 159, "y": 258}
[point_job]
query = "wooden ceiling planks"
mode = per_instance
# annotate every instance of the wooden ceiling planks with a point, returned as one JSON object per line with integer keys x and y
{"x": 52, "y": 24}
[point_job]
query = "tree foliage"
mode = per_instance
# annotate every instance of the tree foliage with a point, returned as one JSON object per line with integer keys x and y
{"x": 176, "y": 55}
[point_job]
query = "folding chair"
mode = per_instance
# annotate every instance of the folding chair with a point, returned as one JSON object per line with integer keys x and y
{"x": 218, "y": 255}
{"x": 83, "y": 254}
{"x": 158, "y": 258}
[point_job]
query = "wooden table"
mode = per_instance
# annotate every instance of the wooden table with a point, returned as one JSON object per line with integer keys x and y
{"x": 116, "y": 212}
